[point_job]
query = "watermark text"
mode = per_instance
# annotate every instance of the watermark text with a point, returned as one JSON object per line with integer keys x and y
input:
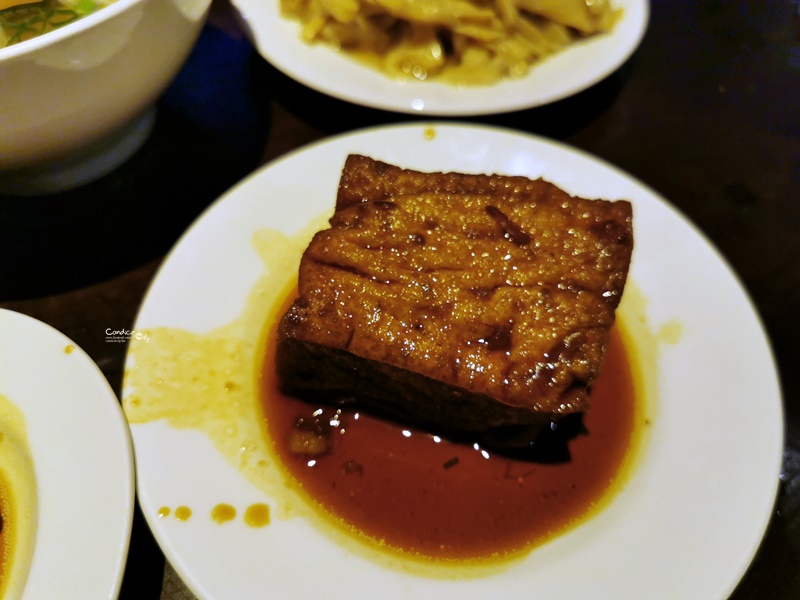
{"x": 124, "y": 335}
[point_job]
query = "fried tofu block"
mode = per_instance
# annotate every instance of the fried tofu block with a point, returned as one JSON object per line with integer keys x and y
{"x": 456, "y": 302}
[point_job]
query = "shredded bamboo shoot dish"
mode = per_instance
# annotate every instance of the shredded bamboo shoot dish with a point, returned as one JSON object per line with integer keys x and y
{"x": 464, "y": 42}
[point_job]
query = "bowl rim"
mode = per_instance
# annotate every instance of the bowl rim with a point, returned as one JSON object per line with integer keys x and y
{"x": 51, "y": 38}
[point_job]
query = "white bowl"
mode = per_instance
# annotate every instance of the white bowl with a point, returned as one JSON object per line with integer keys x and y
{"x": 77, "y": 102}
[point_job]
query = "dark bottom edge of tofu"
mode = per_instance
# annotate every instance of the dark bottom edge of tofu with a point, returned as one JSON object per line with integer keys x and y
{"x": 317, "y": 374}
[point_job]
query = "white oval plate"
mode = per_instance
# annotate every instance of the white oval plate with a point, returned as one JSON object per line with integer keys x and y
{"x": 321, "y": 68}
{"x": 82, "y": 458}
{"x": 687, "y": 523}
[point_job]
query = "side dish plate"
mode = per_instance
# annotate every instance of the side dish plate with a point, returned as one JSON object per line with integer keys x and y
{"x": 691, "y": 515}
{"x": 82, "y": 458}
{"x": 576, "y": 68}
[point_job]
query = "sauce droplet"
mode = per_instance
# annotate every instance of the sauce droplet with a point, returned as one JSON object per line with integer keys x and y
{"x": 183, "y": 513}
{"x": 164, "y": 511}
{"x": 257, "y": 515}
{"x": 429, "y": 133}
{"x": 222, "y": 513}
{"x": 69, "y": 349}
{"x": 671, "y": 332}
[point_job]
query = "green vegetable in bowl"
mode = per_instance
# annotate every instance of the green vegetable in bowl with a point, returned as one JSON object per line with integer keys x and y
{"x": 22, "y": 20}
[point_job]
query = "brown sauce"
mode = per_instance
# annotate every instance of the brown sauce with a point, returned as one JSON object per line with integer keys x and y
{"x": 409, "y": 491}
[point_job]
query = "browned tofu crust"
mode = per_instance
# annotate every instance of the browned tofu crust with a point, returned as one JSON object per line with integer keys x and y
{"x": 468, "y": 302}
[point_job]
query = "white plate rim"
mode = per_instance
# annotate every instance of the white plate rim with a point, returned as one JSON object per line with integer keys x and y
{"x": 376, "y": 139}
{"x": 562, "y": 75}
{"x": 83, "y": 460}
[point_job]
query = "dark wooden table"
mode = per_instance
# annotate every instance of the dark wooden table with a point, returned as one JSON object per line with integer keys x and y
{"x": 707, "y": 112}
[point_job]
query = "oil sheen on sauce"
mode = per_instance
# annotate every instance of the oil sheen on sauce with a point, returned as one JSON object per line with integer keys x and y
{"x": 418, "y": 494}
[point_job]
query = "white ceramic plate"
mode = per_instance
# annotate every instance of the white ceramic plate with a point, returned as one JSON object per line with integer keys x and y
{"x": 687, "y": 523}
{"x": 320, "y": 68}
{"x": 82, "y": 457}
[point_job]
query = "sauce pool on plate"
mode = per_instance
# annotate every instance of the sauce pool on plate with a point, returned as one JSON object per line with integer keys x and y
{"x": 429, "y": 505}
{"x": 424, "y": 496}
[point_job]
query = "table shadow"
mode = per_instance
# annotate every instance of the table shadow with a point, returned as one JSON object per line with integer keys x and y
{"x": 210, "y": 130}
{"x": 558, "y": 120}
